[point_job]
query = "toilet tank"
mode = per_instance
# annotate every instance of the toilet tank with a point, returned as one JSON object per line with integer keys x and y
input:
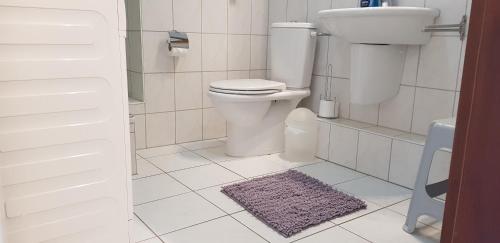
{"x": 292, "y": 54}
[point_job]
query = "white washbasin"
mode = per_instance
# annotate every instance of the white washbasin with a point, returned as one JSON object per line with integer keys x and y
{"x": 380, "y": 25}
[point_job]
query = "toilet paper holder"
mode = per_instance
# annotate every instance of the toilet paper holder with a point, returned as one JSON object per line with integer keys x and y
{"x": 177, "y": 39}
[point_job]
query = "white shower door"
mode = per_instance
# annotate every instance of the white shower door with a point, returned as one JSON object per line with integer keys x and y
{"x": 63, "y": 122}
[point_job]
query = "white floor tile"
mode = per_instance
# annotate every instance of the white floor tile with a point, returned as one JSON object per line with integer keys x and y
{"x": 272, "y": 236}
{"x": 202, "y": 144}
{"x": 157, "y": 151}
{"x": 205, "y": 176}
{"x": 376, "y": 191}
{"x": 222, "y": 230}
{"x": 335, "y": 234}
{"x": 178, "y": 161}
{"x": 140, "y": 231}
{"x": 330, "y": 173}
{"x": 262, "y": 165}
{"x": 215, "y": 196}
{"x": 216, "y": 154}
{"x": 156, "y": 187}
{"x": 386, "y": 226}
{"x": 144, "y": 168}
{"x": 177, "y": 212}
{"x": 153, "y": 240}
{"x": 370, "y": 208}
{"x": 402, "y": 208}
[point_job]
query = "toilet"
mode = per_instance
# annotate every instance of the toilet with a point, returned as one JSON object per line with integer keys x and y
{"x": 255, "y": 109}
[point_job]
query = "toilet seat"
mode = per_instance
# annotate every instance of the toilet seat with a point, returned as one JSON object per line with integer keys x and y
{"x": 247, "y": 87}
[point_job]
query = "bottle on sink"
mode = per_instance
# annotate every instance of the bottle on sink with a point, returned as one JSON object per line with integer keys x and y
{"x": 369, "y": 3}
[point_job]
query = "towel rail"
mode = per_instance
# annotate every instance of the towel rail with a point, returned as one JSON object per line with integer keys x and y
{"x": 460, "y": 28}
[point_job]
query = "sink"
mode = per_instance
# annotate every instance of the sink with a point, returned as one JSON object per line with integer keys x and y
{"x": 379, "y": 38}
{"x": 380, "y": 25}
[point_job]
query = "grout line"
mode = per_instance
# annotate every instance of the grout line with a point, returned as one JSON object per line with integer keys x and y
{"x": 355, "y": 234}
{"x": 147, "y": 226}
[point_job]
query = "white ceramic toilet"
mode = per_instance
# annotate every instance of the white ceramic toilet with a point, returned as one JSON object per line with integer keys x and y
{"x": 256, "y": 109}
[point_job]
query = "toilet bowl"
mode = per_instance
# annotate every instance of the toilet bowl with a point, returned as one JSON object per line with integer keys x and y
{"x": 255, "y": 118}
{"x": 255, "y": 109}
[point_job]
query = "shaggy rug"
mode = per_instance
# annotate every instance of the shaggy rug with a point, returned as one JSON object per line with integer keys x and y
{"x": 291, "y": 202}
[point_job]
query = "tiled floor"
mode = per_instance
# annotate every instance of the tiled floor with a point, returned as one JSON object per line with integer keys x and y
{"x": 177, "y": 199}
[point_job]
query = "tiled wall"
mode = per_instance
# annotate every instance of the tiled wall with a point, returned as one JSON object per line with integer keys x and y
{"x": 389, "y": 154}
{"x": 431, "y": 83}
{"x": 228, "y": 40}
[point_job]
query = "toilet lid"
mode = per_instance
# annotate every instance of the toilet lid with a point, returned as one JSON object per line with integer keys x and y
{"x": 247, "y": 86}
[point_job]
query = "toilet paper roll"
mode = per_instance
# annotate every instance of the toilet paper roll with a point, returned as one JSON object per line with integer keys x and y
{"x": 328, "y": 109}
{"x": 178, "y": 52}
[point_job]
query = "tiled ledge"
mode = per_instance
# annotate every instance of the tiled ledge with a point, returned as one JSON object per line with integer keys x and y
{"x": 388, "y": 154}
{"x": 136, "y": 106}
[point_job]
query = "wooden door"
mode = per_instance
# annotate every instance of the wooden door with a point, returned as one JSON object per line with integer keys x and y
{"x": 472, "y": 213}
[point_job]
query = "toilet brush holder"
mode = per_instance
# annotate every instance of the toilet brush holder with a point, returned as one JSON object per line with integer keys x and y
{"x": 328, "y": 109}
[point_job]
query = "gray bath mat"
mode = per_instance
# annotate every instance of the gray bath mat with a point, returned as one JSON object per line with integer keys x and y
{"x": 292, "y": 201}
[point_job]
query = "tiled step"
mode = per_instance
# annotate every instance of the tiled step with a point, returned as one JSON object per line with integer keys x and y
{"x": 388, "y": 154}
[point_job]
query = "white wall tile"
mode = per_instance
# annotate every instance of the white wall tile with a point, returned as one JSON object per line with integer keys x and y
{"x": 313, "y": 7}
{"x": 214, "y": 16}
{"x": 155, "y": 48}
{"x": 431, "y": 104}
{"x": 277, "y": 12}
{"x": 258, "y": 54}
{"x": 258, "y": 74}
{"x": 239, "y": 52}
{"x": 451, "y": 10}
{"x": 339, "y": 55}
{"x": 187, "y": 15}
{"x": 157, "y": 15}
{"x": 455, "y": 107}
{"x": 296, "y": 11}
{"x": 345, "y": 3}
{"x": 214, "y": 124}
{"x": 240, "y": 16}
{"x": 134, "y": 51}
{"x": 188, "y": 91}
{"x": 214, "y": 52}
{"x": 439, "y": 63}
{"x": 374, "y": 154}
{"x": 140, "y": 131}
{"x": 188, "y": 126}
{"x": 238, "y": 74}
{"x": 323, "y": 145}
{"x": 342, "y": 90}
{"x": 160, "y": 129}
{"x": 405, "y": 162}
{"x": 397, "y": 112}
{"x": 409, "y": 3}
{"x": 461, "y": 65}
{"x": 364, "y": 113}
{"x": 190, "y": 62}
{"x": 343, "y": 146}
{"x": 411, "y": 66}
{"x": 260, "y": 16}
{"x": 159, "y": 92}
{"x": 321, "y": 57}
{"x": 269, "y": 46}
{"x": 209, "y": 77}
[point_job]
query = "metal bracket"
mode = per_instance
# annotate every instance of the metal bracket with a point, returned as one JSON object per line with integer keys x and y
{"x": 460, "y": 28}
